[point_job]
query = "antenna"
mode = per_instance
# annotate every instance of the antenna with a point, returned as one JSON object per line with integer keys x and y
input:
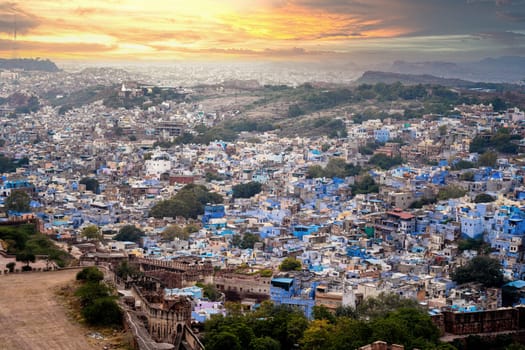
{"x": 14, "y": 37}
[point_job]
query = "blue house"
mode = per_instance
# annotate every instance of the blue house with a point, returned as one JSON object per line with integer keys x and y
{"x": 300, "y": 231}
{"x": 213, "y": 212}
{"x": 285, "y": 291}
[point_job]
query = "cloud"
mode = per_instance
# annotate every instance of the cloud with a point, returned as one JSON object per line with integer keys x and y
{"x": 55, "y": 48}
{"x": 12, "y": 16}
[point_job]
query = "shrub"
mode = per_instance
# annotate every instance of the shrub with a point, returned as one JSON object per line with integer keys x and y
{"x": 103, "y": 312}
{"x": 90, "y": 274}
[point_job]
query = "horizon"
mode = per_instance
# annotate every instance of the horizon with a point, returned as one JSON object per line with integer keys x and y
{"x": 310, "y": 31}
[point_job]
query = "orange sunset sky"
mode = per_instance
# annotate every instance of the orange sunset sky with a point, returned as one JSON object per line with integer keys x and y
{"x": 261, "y": 29}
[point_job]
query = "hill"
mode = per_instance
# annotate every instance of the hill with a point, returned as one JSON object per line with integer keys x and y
{"x": 374, "y": 77}
{"x": 29, "y": 64}
{"x": 510, "y": 69}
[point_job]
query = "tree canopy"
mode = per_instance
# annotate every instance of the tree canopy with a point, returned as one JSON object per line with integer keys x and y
{"x": 481, "y": 269}
{"x": 365, "y": 185}
{"x": 385, "y": 162}
{"x": 189, "y": 202}
{"x": 129, "y": 233}
{"x": 399, "y": 323}
{"x": 18, "y": 201}
{"x": 336, "y": 167}
{"x": 246, "y": 190}
{"x": 91, "y": 232}
{"x": 290, "y": 264}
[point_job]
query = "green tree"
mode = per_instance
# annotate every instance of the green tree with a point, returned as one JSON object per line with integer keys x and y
{"x": 125, "y": 270}
{"x": 91, "y": 232}
{"x": 265, "y": 343}
{"x": 248, "y": 240}
{"x": 90, "y": 291}
{"x": 174, "y": 231}
{"x": 321, "y": 312}
{"x": 129, "y": 233}
{"x": 18, "y": 201}
{"x": 290, "y": 264}
{"x": 223, "y": 340}
{"x": 488, "y": 159}
{"x": 209, "y": 291}
{"x": 189, "y": 202}
{"x": 382, "y": 305}
{"x": 26, "y": 257}
{"x": 366, "y": 185}
{"x": 481, "y": 269}
{"x": 103, "y": 312}
{"x": 317, "y": 336}
{"x": 385, "y": 162}
{"x": 90, "y": 274}
{"x": 451, "y": 191}
{"x": 484, "y": 198}
{"x": 246, "y": 190}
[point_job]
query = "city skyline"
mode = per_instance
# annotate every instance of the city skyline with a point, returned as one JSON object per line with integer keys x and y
{"x": 284, "y": 30}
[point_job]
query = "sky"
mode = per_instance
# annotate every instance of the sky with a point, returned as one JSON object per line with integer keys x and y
{"x": 281, "y": 30}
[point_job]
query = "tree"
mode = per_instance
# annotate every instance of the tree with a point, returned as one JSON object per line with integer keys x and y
{"x": 382, "y": 305}
{"x": 129, "y": 233}
{"x": 488, "y": 159}
{"x": 366, "y": 185}
{"x": 174, "y": 231}
{"x": 189, "y": 202}
{"x": 317, "y": 335}
{"x": 18, "y": 201}
{"x": 90, "y": 274}
{"x": 91, "y": 291}
{"x": 484, "y": 198}
{"x": 321, "y": 312}
{"x": 451, "y": 191}
{"x": 265, "y": 343}
{"x": 385, "y": 162}
{"x": 209, "y": 291}
{"x": 223, "y": 340}
{"x": 248, "y": 240}
{"x": 246, "y": 190}
{"x": 290, "y": 264}
{"x": 103, "y": 312}
{"x": 336, "y": 167}
{"x": 26, "y": 257}
{"x": 481, "y": 269}
{"x": 90, "y": 183}
{"x": 125, "y": 270}
{"x": 91, "y": 232}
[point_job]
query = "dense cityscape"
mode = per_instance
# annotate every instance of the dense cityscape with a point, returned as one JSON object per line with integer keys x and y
{"x": 265, "y": 175}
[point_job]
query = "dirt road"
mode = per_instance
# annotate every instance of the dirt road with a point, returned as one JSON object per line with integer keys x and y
{"x": 31, "y": 316}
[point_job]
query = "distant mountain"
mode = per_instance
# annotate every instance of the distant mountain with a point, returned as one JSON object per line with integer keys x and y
{"x": 373, "y": 77}
{"x": 29, "y": 64}
{"x": 509, "y": 69}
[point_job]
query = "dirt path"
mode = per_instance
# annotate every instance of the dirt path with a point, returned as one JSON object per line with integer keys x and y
{"x": 31, "y": 316}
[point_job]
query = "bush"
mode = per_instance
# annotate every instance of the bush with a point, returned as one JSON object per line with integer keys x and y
{"x": 246, "y": 190}
{"x": 290, "y": 264}
{"x": 103, "y": 312}
{"x": 481, "y": 269}
{"x": 484, "y": 198}
{"x": 89, "y": 292}
{"x": 90, "y": 274}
